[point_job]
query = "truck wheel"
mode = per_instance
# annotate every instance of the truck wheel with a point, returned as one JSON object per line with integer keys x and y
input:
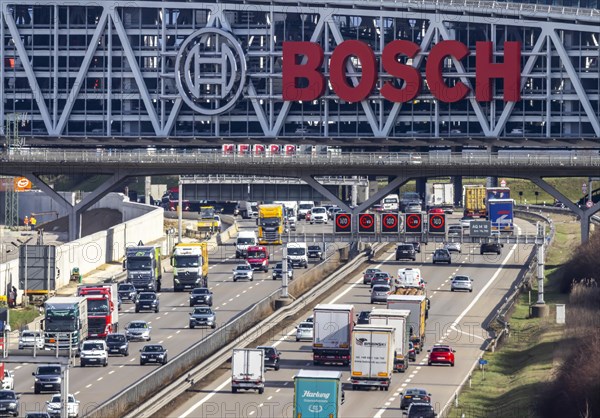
{"x": 251, "y": 279}
{"x": 261, "y": 391}
{"x": 36, "y": 390}
{"x": 233, "y": 390}
{"x": 137, "y": 310}
{"x": 213, "y": 326}
{"x": 158, "y": 287}
{"x": 387, "y": 388}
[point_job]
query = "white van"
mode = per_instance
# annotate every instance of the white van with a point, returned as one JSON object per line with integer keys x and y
{"x": 391, "y": 202}
{"x": 409, "y": 277}
{"x": 303, "y": 208}
{"x": 244, "y": 240}
{"x": 297, "y": 253}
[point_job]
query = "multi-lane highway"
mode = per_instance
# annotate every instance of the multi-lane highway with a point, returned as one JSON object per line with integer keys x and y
{"x": 455, "y": 318}
{"x": 94, "y": 385}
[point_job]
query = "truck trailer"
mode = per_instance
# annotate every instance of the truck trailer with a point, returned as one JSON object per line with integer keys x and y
{"x": 474, "y": 201}
{"x": 500, "y": 214}
{"x": 440, "y": 195}
{"x": 372, "y": 356}
{"x": 247, "y": 370}
{"x": 332, "y": 333}
{"x": 398, "y": 319}
{"x": 318, "y": 394}
{"x": 417, "y": 305}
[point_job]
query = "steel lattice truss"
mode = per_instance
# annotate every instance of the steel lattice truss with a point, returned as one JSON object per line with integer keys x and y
{"x": 114, "y": 69}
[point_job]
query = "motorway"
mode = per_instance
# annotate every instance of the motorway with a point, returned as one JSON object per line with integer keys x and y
{"x": 94, "y": 385}
{"x": 454, "y": 318}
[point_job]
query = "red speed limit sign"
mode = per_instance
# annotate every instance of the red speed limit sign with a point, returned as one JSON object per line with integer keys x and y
{"x": 389, "y": 223}
{"x": 343, "y": 223}
{"x": 366, "y": 222}
{"x": 437, "y": 223}
{"x": 414, "y": 223}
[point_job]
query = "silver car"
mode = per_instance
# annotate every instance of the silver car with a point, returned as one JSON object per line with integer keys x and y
{"x": 29, "y": 339}
{"x": 138, "y": 330}
{"x": 243, "y": 271}
{"x": 461, "y": 283}
{"x": 453, "y": 247}
{"x": 202, "y": 316}
{"x": 380, "y": 293}
{"x": 304, "y": 331}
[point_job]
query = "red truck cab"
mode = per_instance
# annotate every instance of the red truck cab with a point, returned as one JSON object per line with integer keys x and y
{"x": 102, "y": 309}
{"x": 258, "y": 257}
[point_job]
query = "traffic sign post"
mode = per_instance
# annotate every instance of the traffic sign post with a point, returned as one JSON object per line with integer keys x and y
{"x": 503, "y": 183}
{"x": 414, "y": 223}
{"x": 390, "y": 223}
{"x": 589, "y": 204}
{"x": 584, "y": 188}
{"x": 366, "y": 223}
{"x": 437, "y": 223}
{"x": 343, "y": 223}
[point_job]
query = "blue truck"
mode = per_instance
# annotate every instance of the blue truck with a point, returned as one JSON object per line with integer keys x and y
{"x": 318, "y": 394}
{"x": 500, "y": 214}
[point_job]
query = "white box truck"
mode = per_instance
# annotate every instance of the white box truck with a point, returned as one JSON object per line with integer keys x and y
{"x": 440, "y": 195}
{"x": 372, "y": 356}
{"x": 332, "y": 333}
{"x": 399, "y": 320}
{"x": 417, "y": 305}
{"x": 244, "y": 240}
{"x": 247, "y": 370}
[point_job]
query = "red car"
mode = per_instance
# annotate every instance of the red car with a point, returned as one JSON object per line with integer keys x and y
{"x": 440, "y": 353}
{"x": 436, "y": 210}
{"x": 307, "y": 216}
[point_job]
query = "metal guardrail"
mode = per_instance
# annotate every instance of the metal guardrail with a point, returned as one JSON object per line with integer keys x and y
{"x": 163, "y": 157}
{"x": 246, "y": 179}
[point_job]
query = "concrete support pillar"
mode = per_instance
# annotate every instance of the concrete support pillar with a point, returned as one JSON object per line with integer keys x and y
{"x": 458, "y": 190}
{"x": 147, "y": 187}
{"x": 420, "y": 187}
{"x": 540, "y": 273}
{"x": 354, "y": 194}
{"x": 585, "y": 229}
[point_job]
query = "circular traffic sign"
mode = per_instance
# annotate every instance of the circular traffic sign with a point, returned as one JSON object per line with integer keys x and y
{"x": 589, "y": 204}
{"x": 503, "y": 183}
{"x": 390, "y": 220}
{"x": 436, "y": 221}
{"x": 413, "y": 221}
{"x": 366, "y": 220}
{"x": 342, "y": 220}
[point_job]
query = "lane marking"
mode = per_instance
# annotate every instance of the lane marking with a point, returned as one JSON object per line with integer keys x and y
{"x": 99, "y": 379}
{"x": 111, "y": 372}
{"x": 88, "y": 386}
{"x": 77, "y": 393}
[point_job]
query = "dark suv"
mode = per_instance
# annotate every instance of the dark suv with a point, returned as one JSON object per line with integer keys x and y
{"x": 490, "y": 247}
{"x": 315, "y": 251}
{"x": 47, "y": 379}
{"x": 405, "y": 252}
{"x": 272, "y": 356}
{"x": 117, "y": 344}
{"x": 201, "y": 296}
{"x": 147, "y": 301}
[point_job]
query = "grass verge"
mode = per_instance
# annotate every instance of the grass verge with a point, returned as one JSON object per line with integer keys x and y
{"x": 518, "y": 372}
{"x": 19, "y": 317}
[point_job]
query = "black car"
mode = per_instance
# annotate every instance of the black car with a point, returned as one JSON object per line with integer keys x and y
{"x": 278, "y": 271}
{"x": 420, "y": 410}
{"x": 127, "y": 291}
{"x": 153, "y": 353}
{"x": 412, "y": 353}
{"x": 272, "y": 356}
{"x": 363, "y": 317}
{"x": 47, "y": 379}
{"x": 37, "y": 415}
{"x": 381, "y": 278}
{"x": 201, "y": 296}
{"x": 117, "y": 344}
{"x": 414, "y": 395}
{"x": 147, "y": 301}
{"x": 490, "y": 247}
{"x": 9, "y": 403}
{"x": 315, "y": 251}
{"x": 405, "y": 252}
{"x": 441, "y": 255}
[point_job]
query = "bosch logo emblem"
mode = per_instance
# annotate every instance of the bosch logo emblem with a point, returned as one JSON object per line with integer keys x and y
{"x": 210, "y": 71}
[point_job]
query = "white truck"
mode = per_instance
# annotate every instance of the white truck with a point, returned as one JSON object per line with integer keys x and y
{"x": 397, "y": 318}
{"x": 297, "y": 254}
{"x": 247, "y": 370}
{"x": 409, "y": 277}
{"x": 417, "y": 305}
{"x": 440, "y": 195}
{"x": 304, "y": 207}
{"x": 244, "y": 240}
{"x": 332, "y": 333}
{"x": 372, "y": 356}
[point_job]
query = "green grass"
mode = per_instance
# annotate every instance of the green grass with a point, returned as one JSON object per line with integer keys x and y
{"x": 520, "y": 369}
{"x": 19, "y": 317}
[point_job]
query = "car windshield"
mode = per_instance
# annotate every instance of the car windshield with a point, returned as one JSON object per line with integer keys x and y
{"x": 414, "y": 392}
{"x": 115, "y": 337}
{"x": 440, "y": 350}
{"x": 440, "y": 252}
{"x": 200, "y": 291}
{"x": 202, "y": 311}
{"x": 246, "y": 241}
{"x": 126, "y": 287}
{"x": 29, "y": 334}
{"x": 7, "y": 395}
{"x": 147, "y": 296}
{"x": 381, "y": 289}
{"x": 406, "y": 247}
{"x": 305, "y": 325}
{"x": 243, "y": 268}
{"x": 296, "y": 251}
{"x": 304, "y": 206}
{"x": 92, "y": 346}
{"x": 187, "y": 261}
{"x": 49, "y": 370}
{"x": 461, "y": 278}
{"x": 314, "y": 247}
{"x": 153, "y": 349}
{"x": 138, "y": 325}
{"x": 372, "y": 271}
{"x": 318, "y": 210}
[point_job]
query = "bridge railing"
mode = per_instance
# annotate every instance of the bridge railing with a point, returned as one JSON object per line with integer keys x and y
{"x": 359, "y": 159}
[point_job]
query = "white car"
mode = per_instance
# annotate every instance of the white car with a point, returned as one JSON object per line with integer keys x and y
{"x": 93, "y": 352}
{"x": 319, "y": 215}
{"x": 29, "y": 339}
{"x": 54, "y": 406}
{"x": 8, "y": 382}
{"x": 138, "y": 330}
{"x": 461, "y": 283}
{"x": 453, "y": 247}
{"x": 243, "y": 271}
{"x": 304, "y": 331}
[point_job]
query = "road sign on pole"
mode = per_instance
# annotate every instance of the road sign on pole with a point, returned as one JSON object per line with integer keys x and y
{"x": 390, "y": 223}
{"x": 414, "y": 223}
{"x": 480, "y": 228}
{"x": 584, "y": 188}
{"x": 503, "y": 183}
{"x": 366, "y": 223}
{"x": 437, "y": 223}
{"x": 589, "y": 204}
{"x": 343, "y": 223}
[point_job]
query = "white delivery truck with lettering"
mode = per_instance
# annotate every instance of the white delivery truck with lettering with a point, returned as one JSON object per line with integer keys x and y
{"x": 372, "y": 356}
{"x": 399, "y": 320}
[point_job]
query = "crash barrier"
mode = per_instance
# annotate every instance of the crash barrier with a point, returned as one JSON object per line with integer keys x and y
{"x": 240, "y": 327}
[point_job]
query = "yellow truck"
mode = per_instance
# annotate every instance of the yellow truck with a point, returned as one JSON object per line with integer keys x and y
{"x": 270, "y": 224}
{"x": 190, "y": 265}
{"x": 417, "y": 305}
{"x": 474, "y": 201}
{"x": 208, "y": 221}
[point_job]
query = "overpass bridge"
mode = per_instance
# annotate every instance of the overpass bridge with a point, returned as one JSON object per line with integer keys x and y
{"x": 399, "y": 167}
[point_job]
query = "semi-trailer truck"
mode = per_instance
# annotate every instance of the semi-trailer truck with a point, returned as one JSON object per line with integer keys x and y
{"x": 372, "y": 356}
{"x": 318, "y": 394}
{"x": 398, "y": 319}
{"x": 271, "y": 224}
{"x": 143, "y": 266}
{"x": 440, "y": 195}
{"x": 102, "y": 308}
{"x": 65, "y": 322}
{"x": 417, "y": 305}
{"x": 332, "y": 333}
{"x": 500, "y": 214}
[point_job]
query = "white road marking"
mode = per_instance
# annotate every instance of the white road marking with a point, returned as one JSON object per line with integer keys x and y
{"x": 217, "y": 308}
{"x": 173, "y": 309}
{"x": 88, "y": 386}
{"x": 230, "y": 300}
{"x": 111, "y": 372}
{"x": 251, "y": 413}
{"x": 269, "y": 398}
{"x": 206, "y": 398}
{"x": 17, "y": 368}
{"x": 387, "y": 403}
{"x": 157, "y": 318}
{"x": 121, "y": 366}
{"x": 161, "y": 341}
{"x": 178, "y": 331}
{"x": 169, "y": 337}
{"x": 224, "y": 303}
{"x": 131, "y": 360}
{"x": 77, "y": 393}
{"x": 285, "y": 383}
{"x": 277, "y": 391}
{"x": 99, "y": 379}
